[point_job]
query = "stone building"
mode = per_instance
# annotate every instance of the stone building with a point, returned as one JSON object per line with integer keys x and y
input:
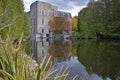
{"x": 44, "y": 16}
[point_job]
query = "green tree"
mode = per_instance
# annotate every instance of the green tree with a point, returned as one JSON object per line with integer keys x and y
{"x": 101, "y": 19}
{"x": 13, "y": 19}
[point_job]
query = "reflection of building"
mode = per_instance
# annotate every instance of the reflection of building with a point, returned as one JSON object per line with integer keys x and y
{"x": 42, "y": 48}
{"x": 58, "y": 50}
{"x": 45, "y": 19}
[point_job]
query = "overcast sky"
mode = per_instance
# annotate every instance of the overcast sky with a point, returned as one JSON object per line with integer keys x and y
{"x": 72, "y": 6}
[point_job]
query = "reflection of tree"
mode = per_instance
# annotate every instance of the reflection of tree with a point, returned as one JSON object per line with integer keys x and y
{"x": 85, "y": 51}
{"x": 74, "y": 48}
{"x": 59, "y": 49}
{"x": 101, "y": 57}
{"x": 51, "y": 49}
{"x": 66, "y": 48}
{"x": 74, "y": 52}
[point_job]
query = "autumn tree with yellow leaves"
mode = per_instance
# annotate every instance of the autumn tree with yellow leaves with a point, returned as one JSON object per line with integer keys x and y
{"x": 74, "y": 23}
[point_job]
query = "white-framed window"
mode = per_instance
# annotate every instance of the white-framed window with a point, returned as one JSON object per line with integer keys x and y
{"x": 42, "y": 12}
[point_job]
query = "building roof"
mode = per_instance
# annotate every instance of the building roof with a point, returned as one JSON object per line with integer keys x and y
{"x": 63, "y": 14}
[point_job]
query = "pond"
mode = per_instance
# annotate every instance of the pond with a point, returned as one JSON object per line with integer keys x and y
{"x": 88, "y": 59}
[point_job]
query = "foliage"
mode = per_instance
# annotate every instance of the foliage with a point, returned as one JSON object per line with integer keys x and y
{"x": 14, "y": 21}
{"x": 100, "y": 18}
{"x": 85, "y": 28}
{"x": 58, "y": 24}
{"x": 13, "y": 55}
{"x": 74, "y": 23}
{"x": 13, "y": 18}
{"x": 52, "y": 22}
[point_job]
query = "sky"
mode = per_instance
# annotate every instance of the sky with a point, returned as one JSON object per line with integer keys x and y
{"x": 72, "y": 6}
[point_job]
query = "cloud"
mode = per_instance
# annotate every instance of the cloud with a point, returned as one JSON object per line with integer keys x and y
{"x": 72, "y": 6}
{"x": 74, "y": 9}
{"x": 27, "y": 4}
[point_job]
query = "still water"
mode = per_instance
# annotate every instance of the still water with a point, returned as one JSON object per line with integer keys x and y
{"x": 88, "y": 59}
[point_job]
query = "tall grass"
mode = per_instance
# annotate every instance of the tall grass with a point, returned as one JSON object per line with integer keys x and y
{"x": 13, "y": 60}
{"x": 16, "y": 65}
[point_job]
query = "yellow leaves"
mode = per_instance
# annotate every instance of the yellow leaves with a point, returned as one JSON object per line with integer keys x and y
{"x": 74, "y": 52}
{"x": 74, "y": 23}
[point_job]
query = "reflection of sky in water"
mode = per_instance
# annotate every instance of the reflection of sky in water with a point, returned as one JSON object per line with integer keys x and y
{"x": 76, "y": 68}
{"x": 61, "y": 52}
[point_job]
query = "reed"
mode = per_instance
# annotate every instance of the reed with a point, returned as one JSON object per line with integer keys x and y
{"x": 16, "y": 65}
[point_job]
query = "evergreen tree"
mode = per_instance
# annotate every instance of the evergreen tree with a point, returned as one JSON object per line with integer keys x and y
{"x": 13, "y": 19}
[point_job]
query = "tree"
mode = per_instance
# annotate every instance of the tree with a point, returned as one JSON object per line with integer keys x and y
{"x": 13, "y": 19}
{"x": 74, "y": 23}
{"x": 100, "y": 18}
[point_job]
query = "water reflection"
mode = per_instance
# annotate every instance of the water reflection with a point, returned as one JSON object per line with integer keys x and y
{"x": 102, "y": 57}
{"x": 88, "y": 59}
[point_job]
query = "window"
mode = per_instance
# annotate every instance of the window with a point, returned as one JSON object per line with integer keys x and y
{"x": 49, "y": 30}
{"x": 42, "y": 30}
{"x": 34, "y": 22}
{"x": 47, "y": 35}
{"x": 48, "y": 13}
{"x": 42, "y": 44}
{"x": 42, "y": 21}
{"x": 42, "y": 12}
